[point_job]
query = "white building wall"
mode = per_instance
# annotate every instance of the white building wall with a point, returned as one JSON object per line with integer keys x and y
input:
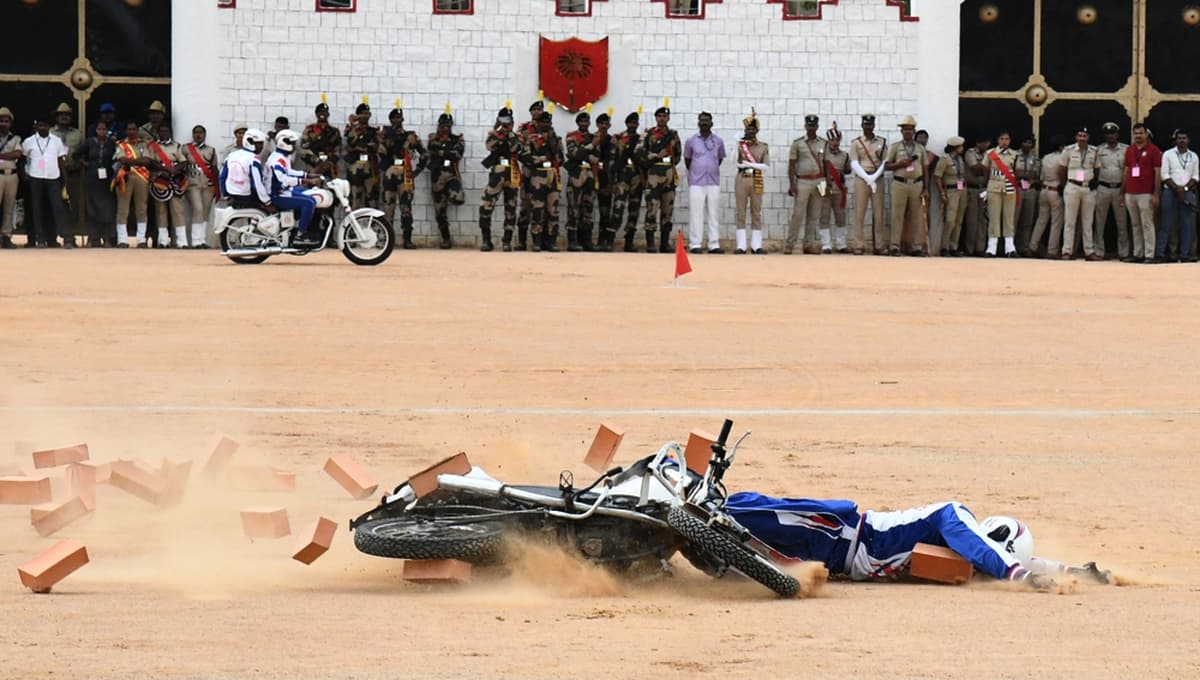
{"x": 275, "y": 57}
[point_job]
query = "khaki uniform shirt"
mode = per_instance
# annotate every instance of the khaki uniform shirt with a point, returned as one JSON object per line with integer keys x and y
{"x": 12, "y": 144}
{"x": 196, "y": 175}
{"x": 71, "y": 138}
{"x": 900, "y": 151}
{"x": 1028, "y": 168}
{"x": 867, "y": 153}
{"x": 809, "y": 157}
{"x": 1112, "y": 162}
{"x": 996, "y": 179}
{"x": 950, "y": 171}
{"x": 972, "y": 158}
{"x": 1050, "y": 165}
{"x": 758, "y": 149}
{"x": 1081, "y": 165}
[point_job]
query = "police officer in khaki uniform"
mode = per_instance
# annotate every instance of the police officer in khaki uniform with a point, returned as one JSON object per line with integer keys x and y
{"x": 10, "y": 153}
{"x": 170, "y": 169}
{"x": 239, "y": 129}
{"x": 202, "y": 183}
{"x": 1077, "y": 169}
{"x": 71, "y": 138}
{"x": 866, "y": 161}
{"x": 1050, "y": 204}
{"x": 1110, "y": 196}
{"x": 806, "y": 170}
{"x": 1001, "y": 196}
{"x": 837, "y": 169}
{"x": 1029, "y": 172}
{"x": 156, "y": 113}
{"x": 906, "y": 159}
{"x": 950, "y": 182}
{"x": 974, "y": 236}
{"x": 753, "y": 158}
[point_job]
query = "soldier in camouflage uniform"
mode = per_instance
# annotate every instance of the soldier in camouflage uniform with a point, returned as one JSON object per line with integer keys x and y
{"x": 581, "y": 162}
{"x": 504, "y": 178}
{"x": 606, "y": 151}
{"x": 362, "y": 159}
{"x": 661, "y": 149}
{"x": 445, "y": 150}
{"x": 629, "y": 174}
{"x": 321, "y": 144}
{"x": 523, "y": 133}
{"x": 397, "y": 147}
{"x": 543, "y": 156}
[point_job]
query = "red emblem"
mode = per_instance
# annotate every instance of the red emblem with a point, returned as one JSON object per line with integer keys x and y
{"x": 573, "y": 73}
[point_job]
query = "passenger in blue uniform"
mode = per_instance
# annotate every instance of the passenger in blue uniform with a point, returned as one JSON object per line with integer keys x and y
{"x": 287, "y": 186}
{"x": 879, "y": 545}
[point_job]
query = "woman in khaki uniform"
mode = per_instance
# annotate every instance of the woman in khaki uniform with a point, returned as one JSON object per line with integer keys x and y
{"x": 950, "y": 180}
{"x": 132, "y": 183}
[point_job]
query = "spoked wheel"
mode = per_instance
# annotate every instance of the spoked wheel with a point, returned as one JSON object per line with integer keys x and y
{"x": 232, "y": 238}
{"x": 478, "y": 540}
{"x": 719, "y": 546}
{"x": 368, "y": 240}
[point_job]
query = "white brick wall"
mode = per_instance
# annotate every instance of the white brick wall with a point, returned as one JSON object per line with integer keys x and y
{"x": 275, "y": 57}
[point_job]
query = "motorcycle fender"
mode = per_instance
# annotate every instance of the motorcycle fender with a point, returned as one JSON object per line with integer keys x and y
{"x": 366, "y": 212}
{"x": 227, "y": 215}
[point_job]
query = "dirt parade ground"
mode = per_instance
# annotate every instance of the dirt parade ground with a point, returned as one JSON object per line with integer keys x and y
{"x": 1064, "y": 393}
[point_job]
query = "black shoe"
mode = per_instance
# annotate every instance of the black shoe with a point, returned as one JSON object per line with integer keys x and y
{"x": 760, "y": 251}
{"x": 306, "y": 240}
{"x": 42, "y": 244}
{"x": 123, "y": 245}
{"x": 716, "y": 251}
{"x": 143, "y": 244}
{"x": 739, "y": 251}
{"x": 69, "y": 244}
{"x": 695, "y": 251}
{"x": 487, "y": 247}
{"x": 506, "y": 247}
{"x": 7, "y": 244}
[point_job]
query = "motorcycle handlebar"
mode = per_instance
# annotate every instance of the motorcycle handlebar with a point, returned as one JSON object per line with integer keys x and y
{"x": 725, "y": 429}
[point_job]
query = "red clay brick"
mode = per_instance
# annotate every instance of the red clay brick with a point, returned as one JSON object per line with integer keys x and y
{"x": 59, "y": 516}
{"x": 219, "y": 456}
{"x": 25, "y": 490}
{"x": 39, "y": 511}
{"x": 49, "y": 458}
{"x": 437, "y": 571}
{"x": 260, "y": 478}
{"x": 314, "y": 540}
{"x": 131, "y": 478}
{"x": 175, "y": 478}
{"x": 265, "y": 522}
{"x": 939, "y": 563}
{"x": 699, "y": 450}
{"x": 604, "y": 447}
{"x": 426, "y": 480}
{"x": 353, "y": 478}
{"x": 44, "y": 571}
{"x": 82, "y": 479}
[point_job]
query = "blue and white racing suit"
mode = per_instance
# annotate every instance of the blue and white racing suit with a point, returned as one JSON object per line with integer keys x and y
{"x": 285, "y": 189}
{"x": 242, "y": 180}
{"x": 870, "y": 545}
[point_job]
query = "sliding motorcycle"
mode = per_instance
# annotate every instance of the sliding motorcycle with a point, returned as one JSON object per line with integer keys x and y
{"x": 631, "y": 519}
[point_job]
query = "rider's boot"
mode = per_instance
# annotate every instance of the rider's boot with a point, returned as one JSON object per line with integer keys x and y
{"x": 522, "y": 235}
{"x": 444, "y": 230}
{"x": 485, "y": 233}
{"x": 573, "y": 242}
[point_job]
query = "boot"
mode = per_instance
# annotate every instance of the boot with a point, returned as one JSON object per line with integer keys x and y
{"x": 181, "y": 237}
{"x": 486, "y": 234}
{"x": 444, "y": 230}
{"x": 1010, "y": 248}
{"x": 606, "y": 241}
{"x": 629, "y": 247}
{"x": 741, "y": 242}
{"x": 552, "y": 242}
{"x": 522, "y": 235}
{"x": 585, "y": 240}
{"x": 651, "y": 245}
{"x": 538, "y": 240}
{"x": 991, "y": 246}
{"x": 408, "y": 242}
{"x": 664, "y": 241}
{"x": 506, "y": 241}
{"x": 573, "y": 242}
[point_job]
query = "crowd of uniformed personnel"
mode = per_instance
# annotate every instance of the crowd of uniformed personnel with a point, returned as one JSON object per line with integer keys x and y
{"x": 994, "y": 199}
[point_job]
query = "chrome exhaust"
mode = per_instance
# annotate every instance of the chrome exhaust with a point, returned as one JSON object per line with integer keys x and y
{"x": 250, "y": 252}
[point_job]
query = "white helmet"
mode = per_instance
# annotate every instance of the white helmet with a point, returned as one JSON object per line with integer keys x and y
{"x": 251, "y": 137}
{"x": 285, "y": 140}
{"x": 1012, "y": 535}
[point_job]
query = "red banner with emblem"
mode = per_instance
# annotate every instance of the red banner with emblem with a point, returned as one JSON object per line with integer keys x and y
{"x": 573, "y": 73}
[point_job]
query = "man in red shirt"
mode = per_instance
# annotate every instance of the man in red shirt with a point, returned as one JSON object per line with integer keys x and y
{"x": 1143, "y": 183}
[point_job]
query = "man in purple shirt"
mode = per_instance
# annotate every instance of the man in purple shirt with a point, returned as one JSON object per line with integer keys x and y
{"x": 703, "y": 154}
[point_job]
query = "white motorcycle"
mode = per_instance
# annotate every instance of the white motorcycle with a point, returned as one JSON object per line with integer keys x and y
{"x": 251, "y": 235}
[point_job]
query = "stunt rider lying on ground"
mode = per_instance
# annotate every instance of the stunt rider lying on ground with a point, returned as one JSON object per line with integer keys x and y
{"x": 879, "y": 545}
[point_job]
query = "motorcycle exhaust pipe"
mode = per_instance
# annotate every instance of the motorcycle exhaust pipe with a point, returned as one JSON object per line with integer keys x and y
{"x": 249, "y": 252}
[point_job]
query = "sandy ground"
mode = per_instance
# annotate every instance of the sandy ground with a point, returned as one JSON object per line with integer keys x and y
{"x": 1065, "y": 393}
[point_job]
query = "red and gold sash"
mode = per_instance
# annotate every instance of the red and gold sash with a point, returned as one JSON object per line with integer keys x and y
{"x": 836, "y": 176}
{"x": 1008, "y": 174}
{"x": 758, "y": 178}
{"x": 140, "y": 171}
{"x": 206, "y": 169}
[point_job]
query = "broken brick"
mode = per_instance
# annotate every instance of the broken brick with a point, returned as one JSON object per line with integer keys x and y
{"x": 218, "y": 458}
{"x": 425, "y": 481}
{"x": 314, "y": 540}
{"x": 49, "y": 458}
{"x": 437, "y": 571}
{"x": 699, "y": 450}
{"x": 939, "y": 563}
{"x": 133, "y": 479}
{"x": 175, "y": 477}
{"x": 604, "y": 447}
{"x": 25, "y": 490}
{"x": 58, "y": 516}
{"x": 82, "y": 479}
{"x": 265, "y": 522}
{"x": 353, "y": 478}
{"x": 260, "y": 478}
{"x": 44, "y": 571}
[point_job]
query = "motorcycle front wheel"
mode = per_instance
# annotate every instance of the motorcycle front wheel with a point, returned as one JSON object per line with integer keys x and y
{"x": 234, "y": 239}
{"x": 469, "y": 538}
{"x": 360, "y": 250}
{"x": 716, "y": 545}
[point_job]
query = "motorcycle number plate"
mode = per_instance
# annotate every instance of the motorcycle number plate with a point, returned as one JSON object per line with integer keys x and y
{"x": 287, "y": 219}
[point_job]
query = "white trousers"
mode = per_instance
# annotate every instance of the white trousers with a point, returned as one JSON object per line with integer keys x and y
{"x": 702, "y": 199}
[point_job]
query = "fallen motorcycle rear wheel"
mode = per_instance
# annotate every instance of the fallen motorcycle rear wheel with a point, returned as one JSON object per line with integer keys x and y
{"x": 718, "y": 546}
{"x": 418, "y": 537}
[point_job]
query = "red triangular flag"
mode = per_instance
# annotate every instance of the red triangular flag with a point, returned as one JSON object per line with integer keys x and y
{"x": 682, "y": 266}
